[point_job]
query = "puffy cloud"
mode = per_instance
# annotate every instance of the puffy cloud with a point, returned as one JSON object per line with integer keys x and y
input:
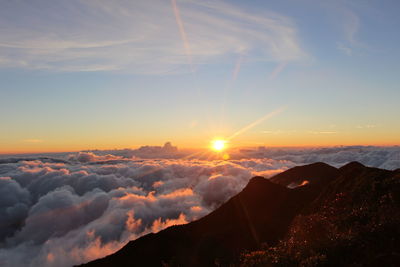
{"x": 61, "y": 212}
{"x": 158, "y": 224}
{"x": 14, "y": 206}
{"x": 85, "y": 157}
{"x": 380, "y": 157}
{"x": 65, "y": 213}
{"x": 294, "y": 185}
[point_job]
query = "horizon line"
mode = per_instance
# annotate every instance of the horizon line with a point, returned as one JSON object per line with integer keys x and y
{"x": 196, "y": 148}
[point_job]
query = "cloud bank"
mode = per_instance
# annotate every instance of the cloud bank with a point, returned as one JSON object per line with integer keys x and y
{"x": 60, "y": 214}
{"x": 379, "y": 157}
{"x": 70, "y": 210}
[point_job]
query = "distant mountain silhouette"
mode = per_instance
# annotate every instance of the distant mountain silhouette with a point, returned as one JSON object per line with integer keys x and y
{"x": 264, "y": 214}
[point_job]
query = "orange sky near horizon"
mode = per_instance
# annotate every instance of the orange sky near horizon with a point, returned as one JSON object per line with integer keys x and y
{"x": 307, "y": 139}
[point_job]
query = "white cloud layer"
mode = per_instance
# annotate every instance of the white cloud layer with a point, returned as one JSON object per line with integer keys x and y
{"x": 138, "y": 36}
{"x": 379, "y": 157}
{"x": 61, "y": 212}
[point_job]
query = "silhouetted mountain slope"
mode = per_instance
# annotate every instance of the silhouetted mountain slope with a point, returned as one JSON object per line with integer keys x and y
{"x": 358, "y": 182}
{"x": 355, "y": 221}
{"x": 307, "y": 225}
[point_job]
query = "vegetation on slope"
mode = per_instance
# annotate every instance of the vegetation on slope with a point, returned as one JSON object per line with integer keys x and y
{"x": 354, "y": 222}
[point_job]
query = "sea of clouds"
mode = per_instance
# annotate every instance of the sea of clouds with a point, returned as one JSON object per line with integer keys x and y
{"x": 68, "y": 209}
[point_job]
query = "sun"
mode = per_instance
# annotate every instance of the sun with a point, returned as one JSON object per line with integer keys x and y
{"x": 218, "y": 145}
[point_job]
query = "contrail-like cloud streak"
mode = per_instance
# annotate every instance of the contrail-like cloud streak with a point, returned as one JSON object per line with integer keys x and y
{"x": 182, "y": 32}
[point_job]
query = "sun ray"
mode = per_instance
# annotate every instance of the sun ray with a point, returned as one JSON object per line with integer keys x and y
{"x": 255, "y": 123}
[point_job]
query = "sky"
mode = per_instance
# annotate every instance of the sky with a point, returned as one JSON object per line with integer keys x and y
{"x": 103, "y": 74}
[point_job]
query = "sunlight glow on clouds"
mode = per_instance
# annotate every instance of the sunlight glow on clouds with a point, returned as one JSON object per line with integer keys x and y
{"x": 138, "y": 36}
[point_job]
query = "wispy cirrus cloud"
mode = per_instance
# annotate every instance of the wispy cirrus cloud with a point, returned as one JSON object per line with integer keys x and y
{"x": 139, "y": 36}
{"x": 367, "y": 126}
{"x": 345, "y": 49}
{"x": 349, "y": 21}
{"x": 32, "y": 141}
{"x": 322, "y": 132}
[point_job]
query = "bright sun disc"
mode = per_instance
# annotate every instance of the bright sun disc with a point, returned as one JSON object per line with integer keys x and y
{"x": 218, "y": 145}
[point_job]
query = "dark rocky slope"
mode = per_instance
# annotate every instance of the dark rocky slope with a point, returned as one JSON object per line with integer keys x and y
{"x": 354, "y": 221}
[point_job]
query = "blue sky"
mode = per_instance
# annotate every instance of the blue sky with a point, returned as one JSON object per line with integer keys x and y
{"x": 101, "y": 74}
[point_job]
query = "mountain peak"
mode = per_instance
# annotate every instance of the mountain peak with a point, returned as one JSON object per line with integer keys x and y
{"x": 354, "y": 165}
{"x": 314, "y": 173}
{"x": 259, "y": 186}
{"x": 258, "y": 181}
